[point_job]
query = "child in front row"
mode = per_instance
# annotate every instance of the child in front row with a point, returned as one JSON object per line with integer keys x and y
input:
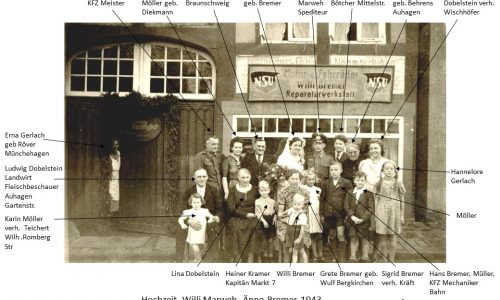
{"x": 389, "y": 209}
{"x": 295, "y": 229}
{"x": 196, "y": 238}
{"x": 265, "y": 211}
{"x": 359, "y": 208}
{"x": 332, "y": 198}
{"x": 315, "y": 226}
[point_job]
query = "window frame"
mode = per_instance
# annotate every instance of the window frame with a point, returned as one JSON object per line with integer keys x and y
{"x": 142, "y": 72}
{"x": 135, "y": 68}
{"x": 359, "y": 39}
{"x": 291, "y": 40}
{"x": 145, "y": 82}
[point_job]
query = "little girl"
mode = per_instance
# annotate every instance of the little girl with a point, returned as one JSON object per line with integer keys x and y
{"x": 295, "y": 229}
{"x": 389, "y": 209}
{"x": 196, "y": 238}
{"x": 315, "y": 227}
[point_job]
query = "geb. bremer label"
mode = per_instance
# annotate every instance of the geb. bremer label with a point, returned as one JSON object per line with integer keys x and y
{"x": 325, "y": 83}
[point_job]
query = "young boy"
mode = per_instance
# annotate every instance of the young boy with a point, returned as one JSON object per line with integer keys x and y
{"x": 358, "y": 206}
{"x": 295, "y": 229}
{"x": 265, "y": 207}
{"x": 339, "y": 142}
{"x": 332, "y": 198}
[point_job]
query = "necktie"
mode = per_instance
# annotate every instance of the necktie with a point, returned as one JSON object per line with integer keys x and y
{"x": 259, "y": 158}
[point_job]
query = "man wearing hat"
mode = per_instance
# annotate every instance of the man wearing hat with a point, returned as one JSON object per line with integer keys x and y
{"x": 319, "y": 161}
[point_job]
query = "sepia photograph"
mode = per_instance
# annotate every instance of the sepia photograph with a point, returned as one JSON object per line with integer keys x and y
{"x": 255, "y": 142}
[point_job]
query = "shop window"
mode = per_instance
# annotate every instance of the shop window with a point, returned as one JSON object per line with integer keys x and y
{"x": 366, "y": 33}
{"x": 242, "y": 125}
{"x": 325, "y": 125}
{"x": 311, "y": 125}
{"x": 284, "y": 125}
{"x": 337, "y": 124}
{"x": 257, "y": 123}
{"x": 379, "y": 126}
{"x": 352, "y": 125}
{"x": 286, "y": 32}
{"x": 278, "y": 128}
{"x": 394, "y": 127}
{"x": 365, "y": 126}
{"x": 164, "y": 68}
{"x": 298, "y": 125}
{"x": 369, "y": 126}
{"x": 270, "y": 125}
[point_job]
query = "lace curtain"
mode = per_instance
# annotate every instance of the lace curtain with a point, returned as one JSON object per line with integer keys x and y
{"x": 341, "y": 31}
{"x": 300, "y": 30}
{"x": 276, "y": 31}
{"x": 370, "y": 31}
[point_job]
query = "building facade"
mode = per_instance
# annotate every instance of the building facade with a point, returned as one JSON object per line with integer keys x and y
{"x": 229, "y": 79}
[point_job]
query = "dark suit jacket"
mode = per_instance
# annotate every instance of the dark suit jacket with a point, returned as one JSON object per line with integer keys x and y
{"x": 349, "y": 167}
{"x": 343, "y": 157}
{"x": 213, "y": 200}
{"x": 333, "y": 195}
{"x": 361, "y": 210}
{"x": 256, "y": 170}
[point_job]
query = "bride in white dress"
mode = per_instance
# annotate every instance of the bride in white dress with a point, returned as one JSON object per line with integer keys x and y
{"x": 292, "y": 156}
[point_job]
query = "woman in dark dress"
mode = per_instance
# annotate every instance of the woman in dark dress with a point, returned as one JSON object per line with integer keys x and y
{"x": 351, "y": 165}
{"x": 242, "y": 218}
{"x": 231, "y": 165}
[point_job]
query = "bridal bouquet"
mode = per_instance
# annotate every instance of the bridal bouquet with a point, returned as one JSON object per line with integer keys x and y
{"x": 274, "y": 173}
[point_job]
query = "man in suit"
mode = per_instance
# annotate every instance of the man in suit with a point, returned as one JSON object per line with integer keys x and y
{"x": 255, "y": 162}
{"x": 213, "y": 202}
{"x": 339, "y": 143}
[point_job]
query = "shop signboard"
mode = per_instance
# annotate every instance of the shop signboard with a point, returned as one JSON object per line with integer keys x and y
{"x": 144, "y": 130}
{"x": 323, "y": 83}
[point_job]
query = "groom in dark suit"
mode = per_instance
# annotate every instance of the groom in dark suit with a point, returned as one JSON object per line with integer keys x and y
{"x": 256, "y": 160}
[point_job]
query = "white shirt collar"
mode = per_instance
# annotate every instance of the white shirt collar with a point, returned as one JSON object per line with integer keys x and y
{"x": 357, "y": 192}
{"x": 361, "y": 190}
{"x": 201, "y": 190}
